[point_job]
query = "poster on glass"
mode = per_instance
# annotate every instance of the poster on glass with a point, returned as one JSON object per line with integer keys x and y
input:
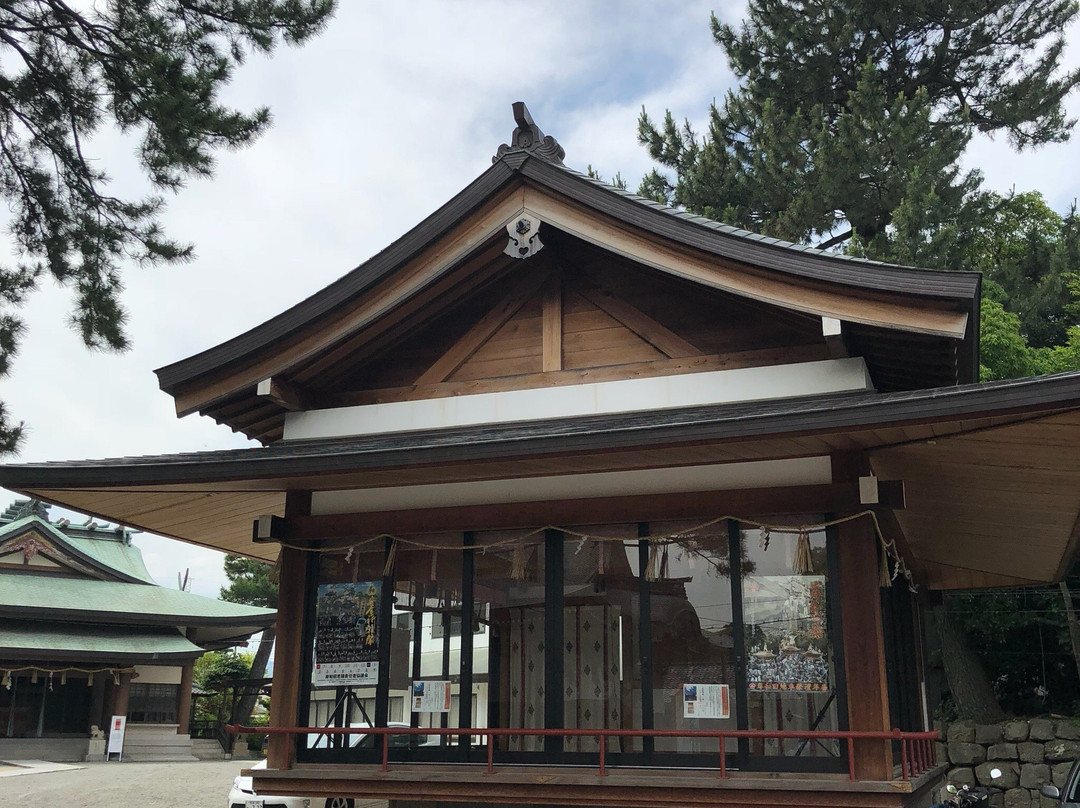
{"x": 787, "y": 637}
{"x": 347, "y": 634}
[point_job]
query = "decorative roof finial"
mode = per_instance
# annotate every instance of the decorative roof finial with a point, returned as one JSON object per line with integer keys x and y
{"x": 527, "y": 137}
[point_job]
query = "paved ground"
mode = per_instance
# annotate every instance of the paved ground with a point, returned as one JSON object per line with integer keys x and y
{"x": 127, "y": 785}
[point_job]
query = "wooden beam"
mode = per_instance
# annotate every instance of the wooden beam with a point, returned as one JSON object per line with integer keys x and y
{"x": 863, "y": 632}
{"x": 287, "y": 396}
{"x": 633, "y": 370}
{"x": 288, "y": 652}
{"x": 659, "y": 336}
{"x": 553, "y": 324}
{"x": 491, "y": 322}
{"x": 599, "y": 510}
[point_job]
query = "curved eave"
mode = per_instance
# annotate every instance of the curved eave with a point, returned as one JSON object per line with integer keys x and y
{"x": 710, "y": 241}
{"x": 1016, "y": 437}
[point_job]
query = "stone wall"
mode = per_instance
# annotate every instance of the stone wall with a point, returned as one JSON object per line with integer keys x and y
{"x": 1029, "y": 752}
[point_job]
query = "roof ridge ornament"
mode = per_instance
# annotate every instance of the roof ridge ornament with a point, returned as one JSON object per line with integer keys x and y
{"x": 528, "y": 137}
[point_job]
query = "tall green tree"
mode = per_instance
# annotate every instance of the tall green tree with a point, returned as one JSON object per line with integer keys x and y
{"x": 253, "y": 583}
{"x": 850, "y": 117}
{"x": 154, "y": 68}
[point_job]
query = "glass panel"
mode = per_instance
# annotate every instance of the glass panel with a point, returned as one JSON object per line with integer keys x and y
{"x": 345, "y": 654}
{"x": 601, "y": 659}
{"x": 508, "y": 654}
{"x": 425, "y": 652}
{"x": 693, "y": 647}
{"x": 790, "y": 671}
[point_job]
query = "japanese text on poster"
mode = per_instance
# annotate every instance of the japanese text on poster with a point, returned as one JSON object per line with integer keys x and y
{"x": 347, "y": 634}
{"x": 431, "y": 697}
{"x": 706, "y": 701}
{"x": 786, "y": 624}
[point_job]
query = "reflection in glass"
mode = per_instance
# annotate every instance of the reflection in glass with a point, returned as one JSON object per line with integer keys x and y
{"x": 693, "y": 648}
{"x": 791, "y": 677}
{"x": 601, "y": 662}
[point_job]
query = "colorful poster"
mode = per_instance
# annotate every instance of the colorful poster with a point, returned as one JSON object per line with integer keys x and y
{"x": 706, "y": 701}
{"x": 786, "y": 633}
{"x": 431, "y": 697}
{"x": 347, "y": 634}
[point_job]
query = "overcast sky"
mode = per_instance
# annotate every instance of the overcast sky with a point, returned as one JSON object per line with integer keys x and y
{"x": 379, "y": 121}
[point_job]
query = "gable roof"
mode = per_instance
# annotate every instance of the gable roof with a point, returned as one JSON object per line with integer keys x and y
{"x": 108, "y": 551}
{"x": 879, "y": 298}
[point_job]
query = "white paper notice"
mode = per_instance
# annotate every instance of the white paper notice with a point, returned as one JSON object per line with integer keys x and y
{"x": 431, "y": 697}
{"x": 706, "y": 701}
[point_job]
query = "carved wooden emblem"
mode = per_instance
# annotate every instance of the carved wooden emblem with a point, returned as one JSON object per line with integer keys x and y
{"x": 30, "y": 547}
{"x": 524, "y": 237}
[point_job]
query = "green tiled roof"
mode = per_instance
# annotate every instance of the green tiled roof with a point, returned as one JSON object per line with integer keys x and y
{"x": 117, "y": 602}
{"x": 39, "y": 641}
{"x": 109, "y": 548}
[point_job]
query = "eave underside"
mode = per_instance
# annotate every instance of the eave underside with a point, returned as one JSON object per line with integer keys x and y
{"x": 993, "y": 494}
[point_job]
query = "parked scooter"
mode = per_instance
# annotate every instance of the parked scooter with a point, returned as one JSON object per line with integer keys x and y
{"x": 967, "y": 797}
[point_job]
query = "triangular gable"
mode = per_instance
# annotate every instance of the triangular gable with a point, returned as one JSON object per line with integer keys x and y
{"x": 34, "y": 545}
{"x": 32, "y": 551}
{"x": 919, "y": 324}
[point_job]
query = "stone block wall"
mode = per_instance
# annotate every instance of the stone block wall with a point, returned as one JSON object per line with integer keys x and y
{"x": 1029, "y": 752}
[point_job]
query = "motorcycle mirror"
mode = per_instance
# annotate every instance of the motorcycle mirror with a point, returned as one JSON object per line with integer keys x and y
{"x": 951, "y": 788}
{"x": 995, "y": 774}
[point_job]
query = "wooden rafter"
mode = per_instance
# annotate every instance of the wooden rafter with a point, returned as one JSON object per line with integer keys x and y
{"x": 659, "y": 336}
{"x": 458, "y": 355}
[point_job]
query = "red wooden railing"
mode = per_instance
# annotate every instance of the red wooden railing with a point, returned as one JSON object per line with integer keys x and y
{"x": 916, "y": 748}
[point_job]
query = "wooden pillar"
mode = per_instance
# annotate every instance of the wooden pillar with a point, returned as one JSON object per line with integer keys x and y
{"x": 863, "y": 635}
{"x": 121, "y": 695}
{"x": 97, "y": 702}
{"x": 183, "y": 699}
{"x": 288, "y": 651}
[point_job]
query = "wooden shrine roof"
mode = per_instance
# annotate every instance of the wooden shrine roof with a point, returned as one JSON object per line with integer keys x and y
{"x": 984, "y": 459}
{"x": 915, "y": 327}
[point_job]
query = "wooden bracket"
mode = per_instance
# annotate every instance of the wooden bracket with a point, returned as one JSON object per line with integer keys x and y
{"x": 287, "y": 396}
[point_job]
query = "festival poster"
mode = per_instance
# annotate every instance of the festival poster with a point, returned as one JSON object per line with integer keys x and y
{"x": 347, "y": 634}
{"x": 706, "y": 701}
{"x": 786, "y": 633}
{"x": 431, "y": 697}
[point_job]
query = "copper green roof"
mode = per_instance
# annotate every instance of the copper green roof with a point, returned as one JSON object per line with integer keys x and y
{"x": 35, "y": 641}
{"x": 108, "y": 549}
{"x": 56, "y": 597}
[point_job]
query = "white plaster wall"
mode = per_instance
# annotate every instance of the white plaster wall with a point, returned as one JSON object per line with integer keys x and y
{"x": 598, "y": 398}
{"x": 157, "y": 674}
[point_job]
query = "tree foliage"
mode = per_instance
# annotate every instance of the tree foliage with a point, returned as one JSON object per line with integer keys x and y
{"x": 251, "y": 582}
{"x": 154, "y": 68}
{"x": 851, "y": 115}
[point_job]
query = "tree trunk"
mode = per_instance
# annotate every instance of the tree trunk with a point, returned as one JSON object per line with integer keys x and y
{"x": 242, "y": 712}
{"x": 1074, "y": 625}
{"x": 968, "y": 682}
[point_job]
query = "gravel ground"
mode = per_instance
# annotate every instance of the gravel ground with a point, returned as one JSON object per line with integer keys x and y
{"x": 124, "y": 785}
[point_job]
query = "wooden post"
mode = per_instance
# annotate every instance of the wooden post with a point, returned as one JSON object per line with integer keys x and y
{"x": 122, "y": 695}
{"x": 97, "y": 702}
{"x": 858, "y": 576}
{"x": 284, "y": 706}
{"x": 183, "y": 700}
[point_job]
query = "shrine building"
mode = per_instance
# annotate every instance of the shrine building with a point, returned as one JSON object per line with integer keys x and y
{"x": 579, "y": 499}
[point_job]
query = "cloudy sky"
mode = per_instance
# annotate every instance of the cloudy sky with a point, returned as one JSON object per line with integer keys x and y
{"x": 376, "y": 123}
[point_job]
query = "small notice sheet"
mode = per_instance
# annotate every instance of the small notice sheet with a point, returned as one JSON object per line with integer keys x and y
{"x": 706, "y": 701}
{"x": 431, "y": 697}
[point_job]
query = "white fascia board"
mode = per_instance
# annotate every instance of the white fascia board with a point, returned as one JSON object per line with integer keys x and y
{"x": 596, "y": 398}
{"x": 679, "y": 479}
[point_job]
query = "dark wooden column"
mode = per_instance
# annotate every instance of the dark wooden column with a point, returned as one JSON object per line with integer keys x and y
{"x": 863, "y": 637}
{"x": 97, "y": 702}
{"x": 121, "y": 695}
{"x": 284, "y": 705}
{"x": 183, "y": 699}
